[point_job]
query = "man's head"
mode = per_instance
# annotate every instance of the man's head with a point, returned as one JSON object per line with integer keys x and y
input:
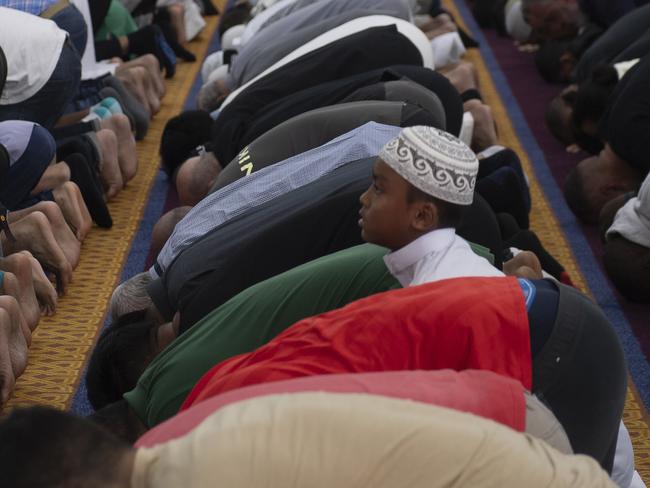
{"x": 45, "y": 448}
{"x": 558, "y": 116}
{"x": 195, "y": 177}
{"x": 628, "y": 266}
{"x": 240, "y": 13}
{"x": 121, "y": 355}
{"x": 131, "y": 296}
{"x": 552, "y": 19}
{"x": 594, "y": 182}
{"x": 182, "y": 134}
{"x": 589, "y": 106}
{"x": 555, "y": 61}
{"x": 165, "y": 226}
{"x": 212, "y": 94}
{"x": 422, "y": 181}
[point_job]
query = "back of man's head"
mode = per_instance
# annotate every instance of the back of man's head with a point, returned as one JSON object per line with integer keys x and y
{"x": 589, "y": 106}
{"x": 627, "y": 265}
{"x": 558, "y": 118}
{"x": 121, "y": 355}
{"x": 579, "y": 197}
{"x": 548, "y": 60}
{"x": 131, "y": 296}
{"x": 182, "y": 134}
{"x": 46, "y": 448}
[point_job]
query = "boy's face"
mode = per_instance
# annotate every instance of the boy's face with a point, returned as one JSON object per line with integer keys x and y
{"x": 386, "y": 214}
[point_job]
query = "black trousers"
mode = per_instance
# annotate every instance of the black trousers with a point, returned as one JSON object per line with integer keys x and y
{"x": 580, "y": 373}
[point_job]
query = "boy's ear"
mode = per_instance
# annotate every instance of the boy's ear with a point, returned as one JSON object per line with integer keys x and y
{"x": 425, "y": 217}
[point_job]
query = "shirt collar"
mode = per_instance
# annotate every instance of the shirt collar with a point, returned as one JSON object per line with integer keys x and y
{"x": 407, "y": 256}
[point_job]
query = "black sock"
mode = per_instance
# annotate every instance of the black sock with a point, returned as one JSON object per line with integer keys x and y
{"x": 91, "y": 189}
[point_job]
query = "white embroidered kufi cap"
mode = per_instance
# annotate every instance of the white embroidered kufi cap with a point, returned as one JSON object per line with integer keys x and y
{"x": 434, "y": 162}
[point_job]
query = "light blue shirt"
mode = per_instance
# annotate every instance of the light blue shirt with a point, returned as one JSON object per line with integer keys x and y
{"x": 268, "y": 183}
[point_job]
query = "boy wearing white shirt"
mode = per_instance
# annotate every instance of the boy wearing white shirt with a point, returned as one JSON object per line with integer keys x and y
{"x": 422, "y": 181}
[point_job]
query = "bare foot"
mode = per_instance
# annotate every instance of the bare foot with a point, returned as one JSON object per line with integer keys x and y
{"x": 34, "y": 233}
{"x": 150, "y": 62}
{"x": 463, "y": 76}
{"x": 18, "y": 283}
{"x": 134, "y": 84}
{"x": 142, "y": 77}
{"x": 485, "y": 129}
{"x": 524, "y": 265}
{"x": 126, "y": 152}
{"x": 74, "y": 210}
{"x": 177, "y": 14}
{"x": 14, "y": 346}
{"x": 62, "y": 232}
{"x": 110, "y": 167}
{"x": 45, "y": 292}
{"x": 68, "y": 242}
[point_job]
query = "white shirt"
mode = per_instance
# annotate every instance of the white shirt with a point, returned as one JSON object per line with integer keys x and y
{"x": 437, "y": 255}
{"x": 632, "y": 221}
{"x": 32, "y": 46}
{"x": 90, "y": 67}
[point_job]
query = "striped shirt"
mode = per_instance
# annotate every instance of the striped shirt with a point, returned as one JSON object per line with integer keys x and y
{"x": 268, "y": 183}
{"x": 34, "y": 7}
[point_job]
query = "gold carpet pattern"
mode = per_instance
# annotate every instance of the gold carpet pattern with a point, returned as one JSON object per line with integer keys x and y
{"x": 546, "y": 226}
{"x": 62, "y": 343}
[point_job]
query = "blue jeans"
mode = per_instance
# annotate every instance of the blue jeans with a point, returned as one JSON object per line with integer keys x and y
{"x": 48, "y": 104}
{"x": 71, "y": 20}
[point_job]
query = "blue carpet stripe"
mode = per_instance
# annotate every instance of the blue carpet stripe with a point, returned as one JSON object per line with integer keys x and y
{"x": 137, "y": 257}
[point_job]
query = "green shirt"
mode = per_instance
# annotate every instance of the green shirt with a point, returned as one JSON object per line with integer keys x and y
{"x": 252, "y": 318}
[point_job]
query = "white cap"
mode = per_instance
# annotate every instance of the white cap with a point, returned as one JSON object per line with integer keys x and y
{"x": 212, "y": 62}
{"x": 231, "y": 39}
{"x": 434, "y": 162}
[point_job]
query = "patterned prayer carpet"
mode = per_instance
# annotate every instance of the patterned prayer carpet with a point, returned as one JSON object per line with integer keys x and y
{"x": 509, "y": 84}
{"x": 518, "y": 97}
{"x": 62, "y": 343}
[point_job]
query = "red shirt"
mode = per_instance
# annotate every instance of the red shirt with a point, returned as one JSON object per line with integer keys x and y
{"x": 482, "y": 393}
{"x": 463, "y": 323}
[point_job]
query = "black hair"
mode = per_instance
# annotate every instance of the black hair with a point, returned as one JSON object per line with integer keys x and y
{"x": 120, "y": 419}
{"x": 121, "y": 355}
{"x": 558, "y": 125}
{"x": 627, "y": 265}
{"x": 548, "y": 60}
{"x": 591, "y": 103}
{"x": 577, "y": 198}
{"x": 182, "y": 134}
{"x": 490, "y": 13}
{"x": 41, "y": 447}
{"x": 450, "y": 215}
{"x": 238, "y": 14}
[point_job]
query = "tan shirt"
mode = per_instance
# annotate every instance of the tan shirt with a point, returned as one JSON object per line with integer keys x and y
{"x": 319, "y": 440}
